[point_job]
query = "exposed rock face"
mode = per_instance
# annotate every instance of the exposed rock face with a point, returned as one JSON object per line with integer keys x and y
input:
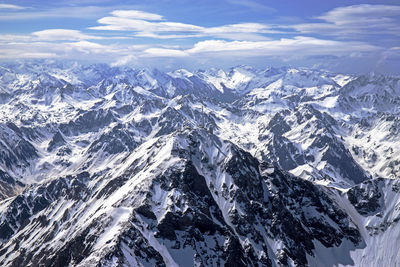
{"x": 9, "y": 186}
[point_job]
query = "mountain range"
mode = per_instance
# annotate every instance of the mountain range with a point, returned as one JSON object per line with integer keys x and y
{"x": 115, "y": 166}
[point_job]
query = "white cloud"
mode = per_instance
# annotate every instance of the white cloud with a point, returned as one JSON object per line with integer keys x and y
{"x": 10, "y": 6}
{"x": 240, "y": 27}
{"x": 218, "y": 53}
{"x": 355, "y": 21}
{"x": 63, "y": 35}
{"x": 71, "y": 50}
{"x": 289, "y": 48}
{"x": 241, "y": 31}
{"x": 122, "y": 61}
{"x": 351, "y": 14}
{"x": 26, "y": 50}
{"x": 252, "y": 5}
{"x": 70, "y": 12}
{"x": 143, "y": 24}
{"x": 164, "y": 52}
{"x": 15, "y": 38}
{"x": 136, "y": 14}
{"x": 53, "y": 35}
{"x": 298, "y": 47}
{"x": 304, "y": 46}
{"x": 164, "y": 36}
{"x": 86, "y": 46}
{"x": 37, "y": 55}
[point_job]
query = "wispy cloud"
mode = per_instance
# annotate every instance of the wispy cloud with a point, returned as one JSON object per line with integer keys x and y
{"x": 215, "y": 52}
{"x": 49, "y": 35}
{"x": 355, "y": 21}
{"x": 297, "y": 46}
{"x": 11, "y": 6}
{"x": 8, "y": 38}
{"x": 63, "y": 50}
{"x": 70, "y": 12}
{"x": 143, "y": 24}
{"x": 136, "y": 14}
{"x": 62, "y": 35}
{"x": 254, "y": 5}
{"x": 122, "y": 61}
{"x": 164, "y": 52}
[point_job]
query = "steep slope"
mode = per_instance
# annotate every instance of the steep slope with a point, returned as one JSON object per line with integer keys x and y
{"x": 183, "y": 199}
{"x": 374, "y": 207}
{"x": 370, "y": 108}
{"x": 9, "y": 187}
{"x": 304, "y": 141}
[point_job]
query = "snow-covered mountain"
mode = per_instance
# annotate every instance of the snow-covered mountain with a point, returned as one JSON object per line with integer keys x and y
{"x": 115, "y": 166}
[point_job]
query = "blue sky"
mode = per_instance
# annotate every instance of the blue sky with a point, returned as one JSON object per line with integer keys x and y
{"x": 342, "y": 36}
